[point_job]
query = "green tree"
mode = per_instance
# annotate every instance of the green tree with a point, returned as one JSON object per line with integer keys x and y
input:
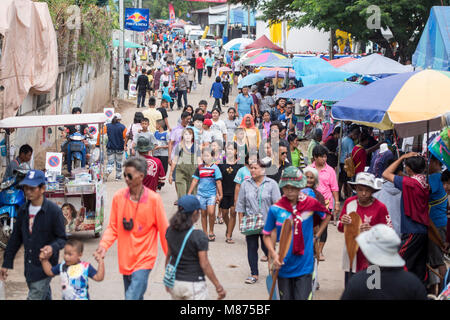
{"x": 405, "y": 19}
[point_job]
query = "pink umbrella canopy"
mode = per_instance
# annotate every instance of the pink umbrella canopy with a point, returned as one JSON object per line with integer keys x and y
{"x": 340, "y": 62}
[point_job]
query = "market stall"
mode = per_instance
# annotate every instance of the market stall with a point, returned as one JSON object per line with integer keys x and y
{"x": 81, "y": 195}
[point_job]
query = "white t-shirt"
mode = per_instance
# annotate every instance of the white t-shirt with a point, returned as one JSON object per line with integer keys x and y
{"x": 33, "y": 211}
{"x": 154, "y": 47}
{"x": 219, "y": 127}
{"x": 207, "y": 136}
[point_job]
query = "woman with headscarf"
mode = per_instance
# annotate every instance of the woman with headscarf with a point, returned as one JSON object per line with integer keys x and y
{"x": 251, "y": 131}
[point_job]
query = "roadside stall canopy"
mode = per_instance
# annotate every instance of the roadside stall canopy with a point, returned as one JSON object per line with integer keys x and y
{"x": 315, "y": 70}
{"x": 331, "y": 91}
{"x": 375, "y": 64}
{"x": 277, "y": 72}
{"x": 264, "y": 58}
{"x": 340, "y": 62}
{"x": 52, "y": 120}
{"x": 237, "y": 44}
{"x": 433, "y": 49}
{"x": 411, "y": 102}
{"x": 250, "y": 79}
{"x": 263, "y": 42}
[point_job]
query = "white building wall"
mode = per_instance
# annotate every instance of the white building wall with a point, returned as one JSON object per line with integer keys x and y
{"x": 299, "y": 40}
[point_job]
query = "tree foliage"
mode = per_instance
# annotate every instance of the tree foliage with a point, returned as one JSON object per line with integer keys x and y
{"x": 159, "y": 9}
{"x": 404, "y": 18}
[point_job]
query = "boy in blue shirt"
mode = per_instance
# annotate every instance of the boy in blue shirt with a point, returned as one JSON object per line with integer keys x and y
{"x": 74, "y": 272}
{"x": 161, "y": 151}
{"x": 208, "y": 177}
{"x": 295, "y": 275}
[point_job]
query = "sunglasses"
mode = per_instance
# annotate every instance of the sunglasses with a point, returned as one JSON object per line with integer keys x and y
{"x": 128, "y": 175}
{"x": 283, "y": 153}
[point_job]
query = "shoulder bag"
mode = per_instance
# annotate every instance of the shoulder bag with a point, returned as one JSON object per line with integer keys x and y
{"x": 171, "y": 270}
{"x": 253, "y": 223}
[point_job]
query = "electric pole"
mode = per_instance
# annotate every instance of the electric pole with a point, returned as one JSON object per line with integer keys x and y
{"x": 121, "y": 62}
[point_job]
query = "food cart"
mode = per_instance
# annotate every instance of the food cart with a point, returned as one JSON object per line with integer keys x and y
{"x": 82, "y": 194}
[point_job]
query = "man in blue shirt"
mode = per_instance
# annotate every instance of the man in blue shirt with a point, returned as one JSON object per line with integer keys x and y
{"x": 288, "y": 116}
{"x": 438, "y": 202}
{"x": 244, "y": 103}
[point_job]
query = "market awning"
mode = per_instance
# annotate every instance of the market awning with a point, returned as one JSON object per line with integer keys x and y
{"x": 52, "y": 120}
{"x": 407, "y": 102}
{"x": 331, "y": 91}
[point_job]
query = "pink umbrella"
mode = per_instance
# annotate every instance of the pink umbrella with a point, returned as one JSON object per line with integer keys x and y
{"x": 340, "y": 62}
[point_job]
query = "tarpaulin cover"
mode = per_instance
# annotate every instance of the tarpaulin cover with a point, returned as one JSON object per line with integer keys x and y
{"x": 331, "y": 91}
{"x": 29, "y": 53}
{"x": 433, "y": 49}
{"x": 315, "y": 70}
{"x": 263, "y": 42}
{"x": 375, "y": 64}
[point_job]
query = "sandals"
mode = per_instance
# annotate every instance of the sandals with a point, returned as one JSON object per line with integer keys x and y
{"x": 229, "y": 241}
{"x": 251, "y": 280}
{"x": 264, "y": 259}
{"x": 322, "y": 257}
{"x": 212, "y": 237}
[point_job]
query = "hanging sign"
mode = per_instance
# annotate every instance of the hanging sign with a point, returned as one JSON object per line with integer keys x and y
{"x": 137, "y": 19}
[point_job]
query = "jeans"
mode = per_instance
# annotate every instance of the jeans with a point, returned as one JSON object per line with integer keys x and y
{"x": 182, "y": 94}
{"x": 217, "y": 103}
{"x": 114, "y": 156}
{"x": 136, "y": 284}
{"x": 126, "y": 81}
{"x": 252, "y": 251}
{"x": 81, "y": 146}
{"x": 200, "y": 75}
{"x": 209, "y": 71}
{"x": 141, "y": 97}
{"x": 40, "y": 290}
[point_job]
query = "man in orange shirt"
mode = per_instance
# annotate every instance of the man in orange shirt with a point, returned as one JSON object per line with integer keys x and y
{"x": 137, "y": 216}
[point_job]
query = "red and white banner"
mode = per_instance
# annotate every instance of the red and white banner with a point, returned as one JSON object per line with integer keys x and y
{"x": 215, "y": 1}
{"x": 171, "y": 13}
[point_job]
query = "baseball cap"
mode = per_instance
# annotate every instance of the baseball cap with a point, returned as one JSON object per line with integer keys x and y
{"x": 207, "y": 122}
{"x": 294, "y": 177}
{"x": 189, "y": 203}
{"x": 254, "y": 87}
{"x": 33, "y": 178}
{"x": 118, "y": 116}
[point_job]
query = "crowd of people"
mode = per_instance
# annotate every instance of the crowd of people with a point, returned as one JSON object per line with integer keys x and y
{"x": 246, "y": 169}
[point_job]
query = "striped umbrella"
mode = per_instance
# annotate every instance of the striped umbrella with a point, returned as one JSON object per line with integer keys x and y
{"x": 411, "y": 102}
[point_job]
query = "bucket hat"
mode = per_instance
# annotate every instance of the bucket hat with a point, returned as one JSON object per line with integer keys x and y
{"x": 380, "y": 246}
{"x": 366, "y": 179}
{"x": 144, "y": 145}
{"x": 294, "y": 177}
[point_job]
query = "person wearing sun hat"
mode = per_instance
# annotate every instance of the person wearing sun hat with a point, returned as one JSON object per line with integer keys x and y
{"x": 380, "y": 245}
{"x": 155, "y": 170}
{"x": 295, "y": 274}
{"x": 190, "y": 274}
{"x": 370, "y": 210}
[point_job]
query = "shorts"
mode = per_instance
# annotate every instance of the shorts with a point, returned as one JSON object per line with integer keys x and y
{"x": 227, "y": 202}
{"x": 435, "y": 254}
{"x": 206, "y": 201}
{"x": 187, "y": 290}
{"x": 299, "y": 288}
{"x": 414, "y": 250}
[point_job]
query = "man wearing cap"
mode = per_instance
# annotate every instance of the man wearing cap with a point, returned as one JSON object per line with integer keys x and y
{"x": 207, "y": 134}
{"x": 387, "y": 279}
{"x": 155, "y": 171}
{"x": 295, "y": 275}
{"x": 40, "y": 228}
{"x": 371, "y": 212}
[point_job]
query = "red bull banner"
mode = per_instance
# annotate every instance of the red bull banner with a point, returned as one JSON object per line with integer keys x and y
{"x": 215, "y": 1}
{"x": 136, "y": 19}
{"x": 171, "y": 13}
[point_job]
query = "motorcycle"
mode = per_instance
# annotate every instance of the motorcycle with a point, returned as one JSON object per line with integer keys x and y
{"x": 74, "y": 149}
{"x": 11, "y": 199}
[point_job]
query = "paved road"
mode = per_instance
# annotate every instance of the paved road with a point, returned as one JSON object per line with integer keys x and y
{"x": 229, "y": 261}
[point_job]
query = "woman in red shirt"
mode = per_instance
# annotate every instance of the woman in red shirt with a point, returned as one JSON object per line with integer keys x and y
{"x": 200, "y": 65}
{"x": 370, "y": 210}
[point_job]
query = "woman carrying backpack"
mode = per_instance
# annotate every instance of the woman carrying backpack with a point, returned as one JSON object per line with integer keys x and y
{"x": 187, "y": 257}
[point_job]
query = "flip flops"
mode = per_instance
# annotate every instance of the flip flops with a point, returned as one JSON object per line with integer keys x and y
{"x": 229, "y": 241}
{"x": 212, "y": 237}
